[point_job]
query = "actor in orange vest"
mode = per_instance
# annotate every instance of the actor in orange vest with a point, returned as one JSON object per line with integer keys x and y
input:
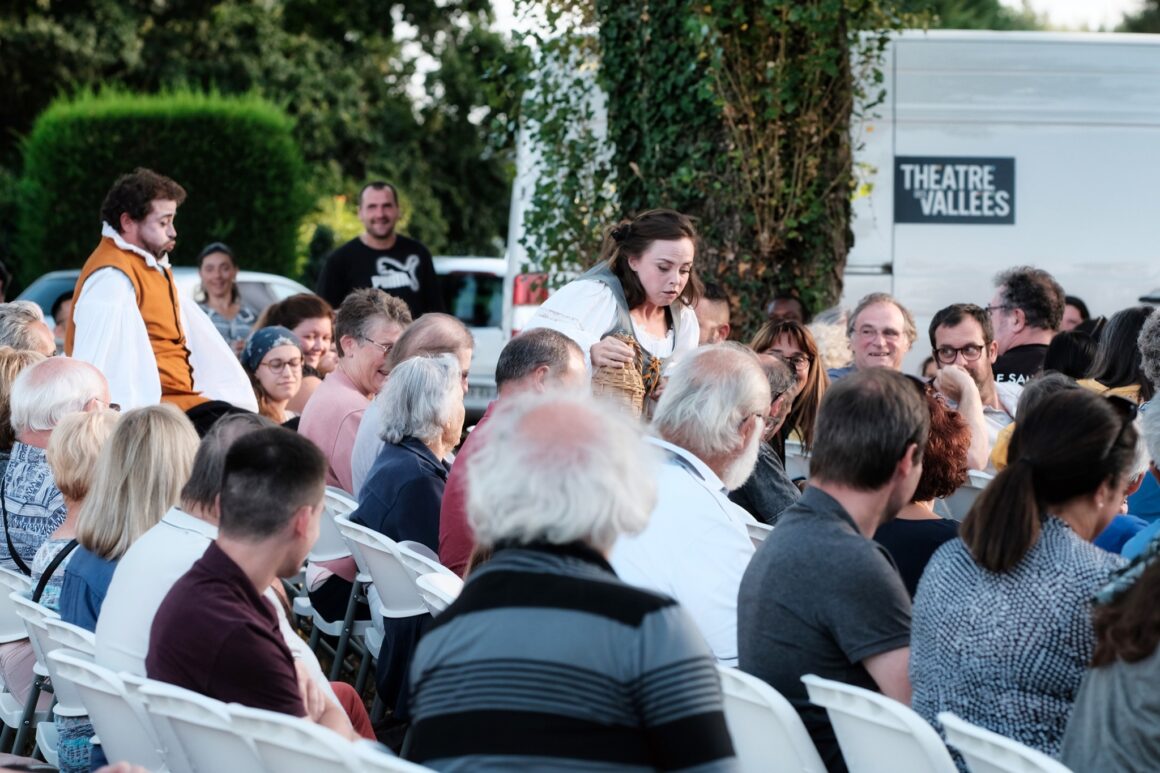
{"x": 128, "y": 320}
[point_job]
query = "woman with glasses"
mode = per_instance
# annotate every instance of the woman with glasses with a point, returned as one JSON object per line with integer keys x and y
{"x": 218, "y": 295}
{"x": 273, "y": 360}
{"x": 1002, "y": 626}
{"x": 312, "y": 320}
{"x": 793, "y": 343}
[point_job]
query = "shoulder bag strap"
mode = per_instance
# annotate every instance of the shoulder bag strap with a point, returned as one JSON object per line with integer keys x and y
{"x": 23, "y": 567}
{"x": 53, "y": 565}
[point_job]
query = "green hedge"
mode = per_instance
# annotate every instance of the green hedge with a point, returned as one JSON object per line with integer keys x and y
{"x": 235, "y": 157}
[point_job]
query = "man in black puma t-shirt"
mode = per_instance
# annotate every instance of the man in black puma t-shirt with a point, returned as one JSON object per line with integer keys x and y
{"x": 381, "y": 258}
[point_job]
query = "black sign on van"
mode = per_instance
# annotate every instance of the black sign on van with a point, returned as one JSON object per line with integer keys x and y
{"x": 954, "y": 189}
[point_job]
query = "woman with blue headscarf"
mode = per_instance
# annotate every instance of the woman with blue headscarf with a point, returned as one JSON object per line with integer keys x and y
{"x": 273, "y": 360}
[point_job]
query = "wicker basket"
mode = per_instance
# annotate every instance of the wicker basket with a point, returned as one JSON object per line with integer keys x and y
{"x": 624, "y": 385}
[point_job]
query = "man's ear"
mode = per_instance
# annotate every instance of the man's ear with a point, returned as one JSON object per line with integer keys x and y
{"x": 725, "y": 330}
{"x": 126, "y": 222}
{"x": 540, "y": 377}
{"x": 1134, "y": 486}
{"x": 911, "y": 458}
{"x": 993, "y": 351}
{"x": 1020, "y": 318}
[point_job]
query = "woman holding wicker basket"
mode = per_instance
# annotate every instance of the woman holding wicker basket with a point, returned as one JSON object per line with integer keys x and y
{"x": 633, "y": 311}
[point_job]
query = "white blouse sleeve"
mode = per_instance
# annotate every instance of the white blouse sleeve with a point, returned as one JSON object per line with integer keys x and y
{"x": 217, "y": 374}
{"x": 583, "y": 310}
{"x": 111, "y": 335}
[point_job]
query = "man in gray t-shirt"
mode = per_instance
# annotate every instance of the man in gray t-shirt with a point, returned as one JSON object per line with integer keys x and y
{"x": 820, "y": 597}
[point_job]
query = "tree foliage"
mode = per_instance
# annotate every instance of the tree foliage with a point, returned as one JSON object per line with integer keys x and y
{"x": 974, "y": 14}
{"x": 348, "y": 74}
{"x": 1147, "y": 19}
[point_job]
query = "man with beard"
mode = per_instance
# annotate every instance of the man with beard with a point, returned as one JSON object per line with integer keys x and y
{"x": 709, "y": 423}
{"x": 129, "y": 322}
{"x": 379, "y": 257}
{"x": 820, "y": 596}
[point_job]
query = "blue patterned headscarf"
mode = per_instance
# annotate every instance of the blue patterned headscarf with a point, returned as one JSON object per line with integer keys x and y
{"x": 262, "y": 341}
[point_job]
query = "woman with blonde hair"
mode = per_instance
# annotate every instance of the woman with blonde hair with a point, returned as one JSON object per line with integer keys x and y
{"x": 138, "y": 478}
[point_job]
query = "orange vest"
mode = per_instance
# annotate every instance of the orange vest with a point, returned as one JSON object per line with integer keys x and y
{"x": 157, "y": 301}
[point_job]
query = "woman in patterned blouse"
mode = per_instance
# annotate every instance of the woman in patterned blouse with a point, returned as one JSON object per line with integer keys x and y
{"x": 1002, "y": 627}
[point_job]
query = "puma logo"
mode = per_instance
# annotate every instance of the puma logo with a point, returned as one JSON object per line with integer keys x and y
{"x": 392, "y": 274}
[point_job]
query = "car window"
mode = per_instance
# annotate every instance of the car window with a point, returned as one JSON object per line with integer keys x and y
{"x": 476, "y": 299}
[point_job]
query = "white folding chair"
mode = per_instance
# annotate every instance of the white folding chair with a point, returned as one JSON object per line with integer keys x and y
{"x": 11, "y": 630}
{"x": 202, "y": 727}
{"x": 372, "y": 760}
{"x": 438, "y": 590}
{"x": 878, "y": 734}
{"x": 959, "y": 503}
{"x": 124, "y": 728}
{"x": 758, "y": 531}
{"x": 330, "y": 545}
{"x": 34, "y": 616}
{"x": 768, "y": 735}
{"x": 420, "y": 560}
{"x": 289, "y": 744}
{"x": 988, "y": 752}
{"x": 70, "y": 638}
{"x": 379, "y": 557}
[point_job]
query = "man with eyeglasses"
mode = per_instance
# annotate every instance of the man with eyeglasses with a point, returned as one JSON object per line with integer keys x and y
{"x": 964, "y": 343}
{"x": 1026, "y": 311}
{"x": 880, "y": 331}
{"x": 366, "y": 327}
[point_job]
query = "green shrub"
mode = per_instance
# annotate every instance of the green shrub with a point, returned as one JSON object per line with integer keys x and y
{"x": 234, "y": 156}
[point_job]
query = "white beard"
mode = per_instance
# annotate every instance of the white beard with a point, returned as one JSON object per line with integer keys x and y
{"x": 741, "y": 468}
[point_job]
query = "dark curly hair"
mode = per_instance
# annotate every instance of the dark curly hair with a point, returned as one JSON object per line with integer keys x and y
{"x": 1034, "y": 292}
{"x": 134, "y": 193}
{"x": 944, "y": 463}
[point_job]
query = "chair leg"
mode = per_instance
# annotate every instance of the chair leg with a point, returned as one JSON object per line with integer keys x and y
{"x": 6, "y": 737}
{"x": 26, "y": 726}
{"x": 364, "y": 670}
{"x": 344, "y": 637}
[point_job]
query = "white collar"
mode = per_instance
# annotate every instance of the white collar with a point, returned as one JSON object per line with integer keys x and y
{"x": 179, "y": 519}
{"x": 707, "y": 475}
{"x": 109, "y": 232}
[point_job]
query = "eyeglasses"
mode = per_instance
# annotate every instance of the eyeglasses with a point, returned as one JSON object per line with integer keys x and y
{"x": 278, "y": 366}
{"x": 1000, "y": 307}
{"x": 796, "y": 361}
{"x": 385, "y": 347}
{"x": 948, "y": 354}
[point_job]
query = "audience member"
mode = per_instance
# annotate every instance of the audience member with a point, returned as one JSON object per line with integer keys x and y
{"x": 215, "y": 633}
{"x": 138, "y": 477}
{"x": 1145, "y": 503}
{"x": 12, "y": 362}
{"x": 218, "y": 296}
{"x": 32, "y": 506}
{"x": 1075, "y": 313}
{"x": 1025, "y": 571}
{"x": 963, "y": 342}
{"x": 1035, "y": 392}
{"x": 22, "y": 327}
{"x": 432, "y": 333}
{"x": 61, "y": 312}
{"x": 312, "y": 320}
{"x": 709, "y": 423}
{"x": 423, "y": 419}
{"x": 272, "y": 359}
{"x": 1025, "y": 311}
{"x": 787, "y": 308}
{"x": 1070, "y": 353}
{"x": 1149, "y": 426}
{"x": 1118, "y": 365}
{"x": 713, "y": 314}
{"x": 821, "y": 597}
{"x": 129, "y": 322}
{"x": 568, "y": 667}
{"x": 533, "y": 362}
{"x": 382, "y": 258}
{"x": 880, "y": 332}
{"x": 929, "y": 369}
{"x": 916, "y": 532}
{"x": 769, "y": 490}
{"x": 368, "y": 325}
{"x": 794, "y": 343}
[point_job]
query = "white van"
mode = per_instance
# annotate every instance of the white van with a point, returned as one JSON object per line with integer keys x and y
{"x": 992, "y": 150}
{"x": 997, "y": 149}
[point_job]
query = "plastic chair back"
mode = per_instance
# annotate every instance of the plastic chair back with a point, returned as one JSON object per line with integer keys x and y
{"x": 11, "y": 624}
{"x": 70, "y": 638}
{"x": 125, "y": 731}
{"x": 768, "y": 735}
{"x": 34, "y": 615}
{"x": 988, "y": 752}
{"x": 438, "y": 590}
{"x": 758, "y": 531}
{"x": 419, "y": 560}
{"x": 959, "y": 503}
{"x": 293, "y": 744}
{"x": 330, "y": 545}
{"x": 378, "y": 556}
{"x": 202, "y": 727}
{"x": 877, "y": 734}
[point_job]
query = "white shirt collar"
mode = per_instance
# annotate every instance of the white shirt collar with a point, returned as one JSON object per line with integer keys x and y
{"x": 179, "y": 519}
{"x": 707, "y": 475}
{"x": 111, "y": 233}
